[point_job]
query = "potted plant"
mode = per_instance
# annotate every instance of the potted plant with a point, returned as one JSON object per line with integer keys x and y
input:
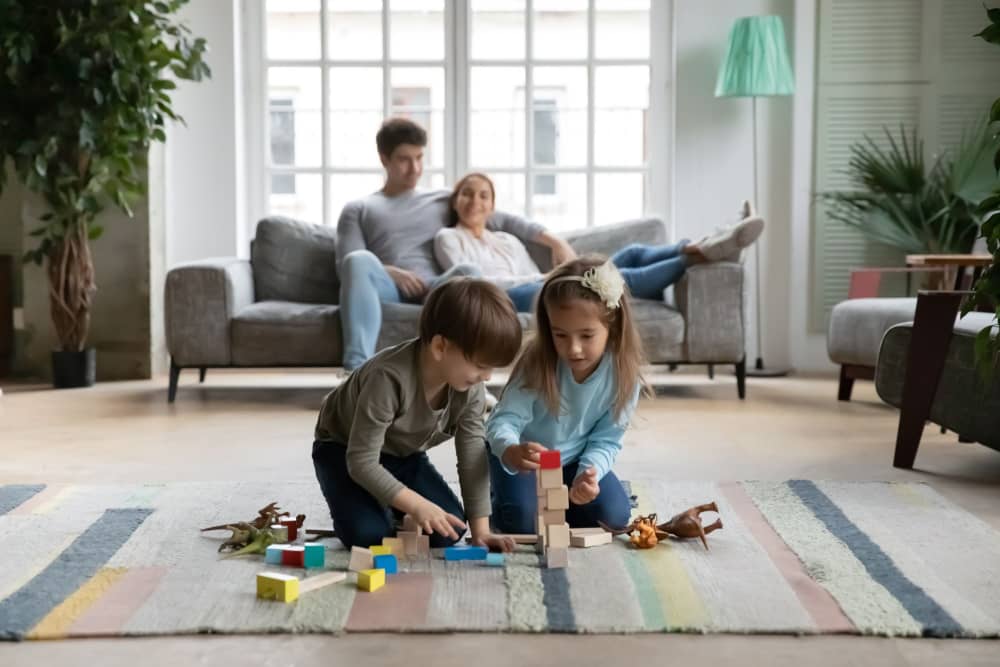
{"x": 86, "y": 89}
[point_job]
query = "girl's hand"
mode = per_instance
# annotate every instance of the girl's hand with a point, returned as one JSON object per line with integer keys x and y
{"x": 494, "y": 542}
{"x": 433, "y": 519}
{"x": 523, "y": 457}
{"x": 585, "y": 487}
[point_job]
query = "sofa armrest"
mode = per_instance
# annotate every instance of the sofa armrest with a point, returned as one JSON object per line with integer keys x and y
{"x": 604, "y": 239}
{"x": 711, "y": 297}
{"x": 200, "y": 300}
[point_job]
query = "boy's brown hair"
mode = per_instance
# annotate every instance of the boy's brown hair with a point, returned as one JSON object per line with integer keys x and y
{"x": 397, "y": 131}
{"x": 475, "y": 315}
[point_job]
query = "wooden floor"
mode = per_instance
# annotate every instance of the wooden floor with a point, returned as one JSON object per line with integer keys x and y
{"x": 248, "y": 425}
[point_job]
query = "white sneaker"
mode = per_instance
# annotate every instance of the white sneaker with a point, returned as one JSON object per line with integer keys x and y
{"x": 727, "y": 244}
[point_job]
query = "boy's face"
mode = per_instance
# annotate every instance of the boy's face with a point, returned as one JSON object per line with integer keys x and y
{"x": 404, "y": 166}
{"x": 460, "y": 373}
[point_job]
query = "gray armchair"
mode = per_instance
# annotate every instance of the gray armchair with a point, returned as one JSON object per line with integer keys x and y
{"x": 279, "y": 308}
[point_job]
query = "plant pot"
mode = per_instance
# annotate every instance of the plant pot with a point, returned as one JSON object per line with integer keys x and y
{"x": 74, "y": 369}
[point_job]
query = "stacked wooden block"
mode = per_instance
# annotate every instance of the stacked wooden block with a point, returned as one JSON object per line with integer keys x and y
{"x": 553, "y": 501}
{"x": 375, "y": 562}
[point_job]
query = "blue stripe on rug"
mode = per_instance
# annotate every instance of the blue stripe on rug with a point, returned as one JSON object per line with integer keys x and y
{"x": 13, "y": 495}
{"x": 71, "y": 569}
{"x": 936, "y": 621}
{"x": 555, "y": 596}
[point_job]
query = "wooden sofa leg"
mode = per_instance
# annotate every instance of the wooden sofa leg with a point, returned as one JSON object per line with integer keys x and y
{"x": 932, "y": 328}
{"x": 201, "y": 374}
{"x": 846, "y": 385}
{"x": 175, "y": 373}
{"x": 741, "y": 378}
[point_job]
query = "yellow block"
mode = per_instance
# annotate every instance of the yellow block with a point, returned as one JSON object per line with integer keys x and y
{"x": 380, "y": 550}
{"x": 371, "y": 580}
{"x": 274, "y": 586}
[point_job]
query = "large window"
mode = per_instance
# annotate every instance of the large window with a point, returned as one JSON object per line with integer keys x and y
{"x": 550, "y": 97}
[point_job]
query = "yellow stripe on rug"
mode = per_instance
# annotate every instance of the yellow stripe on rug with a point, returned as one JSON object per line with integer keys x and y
{"x": 57, "y": 622}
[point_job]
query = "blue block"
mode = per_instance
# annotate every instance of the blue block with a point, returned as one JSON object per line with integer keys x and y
{"x": 315, "y": 555}
{"x": 495, "y": 560}
{"x": 386, "y": 562}
{"x": 465, "y": 553}
{"x": 273, "y": 554}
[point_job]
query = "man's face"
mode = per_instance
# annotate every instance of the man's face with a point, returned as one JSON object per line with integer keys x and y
{"x": 404, "y": 166}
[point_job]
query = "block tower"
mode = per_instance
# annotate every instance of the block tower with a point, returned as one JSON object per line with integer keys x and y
{"x": 553, "y": 501}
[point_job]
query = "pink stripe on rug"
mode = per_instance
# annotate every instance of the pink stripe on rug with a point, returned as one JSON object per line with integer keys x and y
{"x": 47, "y": 495}
{"x": 399, "y": 605}
{"x": 109, "y": 615}
{"x": 816, "y": 600}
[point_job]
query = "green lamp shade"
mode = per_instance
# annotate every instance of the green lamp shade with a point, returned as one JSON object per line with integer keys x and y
{"x": 756, "y": 61}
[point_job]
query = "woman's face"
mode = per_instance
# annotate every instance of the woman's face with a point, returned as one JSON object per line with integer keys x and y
{"x": 474, "y": 203}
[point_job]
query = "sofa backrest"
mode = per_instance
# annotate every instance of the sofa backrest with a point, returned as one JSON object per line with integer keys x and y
{"x": 294, "y": 261}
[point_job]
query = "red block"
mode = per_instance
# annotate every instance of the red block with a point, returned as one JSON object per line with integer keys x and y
{"x": 550, "y": 459}
{"x": 293, "y": 528}
{"x": 294, "y": 556}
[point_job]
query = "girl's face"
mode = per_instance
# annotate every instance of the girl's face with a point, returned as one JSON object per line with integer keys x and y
{"x": 474, "y": 203}
{"x": 579, "y": 334}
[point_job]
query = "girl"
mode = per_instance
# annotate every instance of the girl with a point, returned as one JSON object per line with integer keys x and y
{"x": 574, "y": 389}
{"x": 504, "y": 261}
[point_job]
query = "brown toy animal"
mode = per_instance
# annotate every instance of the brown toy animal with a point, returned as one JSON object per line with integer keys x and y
{"x": 644, "y": 533}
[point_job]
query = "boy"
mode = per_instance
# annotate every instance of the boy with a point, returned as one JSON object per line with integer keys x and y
{"x": 374, "y": 430}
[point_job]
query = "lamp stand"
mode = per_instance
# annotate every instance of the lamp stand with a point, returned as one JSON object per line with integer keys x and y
{"x": 759, "y": 370}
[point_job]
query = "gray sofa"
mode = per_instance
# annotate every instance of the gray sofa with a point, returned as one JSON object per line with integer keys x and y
{"x": 279, "y": 308}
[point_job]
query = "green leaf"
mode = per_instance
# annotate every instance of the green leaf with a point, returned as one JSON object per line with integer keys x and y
{"x": 990, "y": 33}
{"x": 98, "y": 96}
{"x": 41, "y": 168}
{"x": 995, "y": 109}
{"x": 95, "y": 232}
{"x": 994, "y": 14}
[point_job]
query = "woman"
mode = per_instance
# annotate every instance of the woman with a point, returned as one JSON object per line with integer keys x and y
{"x": 503, "y": 259}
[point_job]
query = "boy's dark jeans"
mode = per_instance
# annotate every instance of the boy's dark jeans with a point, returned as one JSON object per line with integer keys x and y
{"x": 515, "y": 504}
{"x": 358, "y": 518}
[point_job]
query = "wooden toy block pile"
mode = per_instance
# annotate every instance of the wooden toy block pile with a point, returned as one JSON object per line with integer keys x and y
{"x": 377, "y": 561}
{"x": 553, "y": 501}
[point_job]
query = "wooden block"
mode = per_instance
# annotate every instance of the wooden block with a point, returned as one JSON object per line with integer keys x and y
{"x": 315, "y": 555}
{"x": 550, "y": 460}
{"x": 294, "y": 556}
{"x": 320, "y": 533}
{"x": 494, "y": 560}
{"x": 549, "y": 479}
{"x": 557, "y": 557}
{"x": 590, "y": 539}
{"x": 409, "y": 542}
{"x": 557, "y": 499}
{"x": 272, "y": 555}
{"x": 549, "y": 517}
{"x": 424, "y": 545}
{"x": 320, "y": 580}
{"x": 280, "y": 532}
{"x": 517, "y": 537}
{"x": 387, "y": 562}
{"x": 596, "y": 530}
{"x": 275, "y": 586}
{"x": 371, "y": 580}
{"x": 379, "y": 550}
{"x": 557, "y": 536}
{"x": 465, "y": 553}
{"x": 410, "y": 525}
{"x": 394, "y": 543}
{"x": 293, "y": 527}
{"x": 361, "y": 559}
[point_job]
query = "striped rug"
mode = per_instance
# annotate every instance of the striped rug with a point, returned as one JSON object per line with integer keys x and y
{"x": 798, "y": 557}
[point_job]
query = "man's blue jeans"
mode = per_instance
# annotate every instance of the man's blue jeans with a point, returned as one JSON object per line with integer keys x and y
{"x": 646, "y": 269}
{"x": 515, "y": 504}
{"x": 364, "y": 287}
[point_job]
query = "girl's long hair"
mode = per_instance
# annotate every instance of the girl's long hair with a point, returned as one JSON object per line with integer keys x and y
{"x": 537, "y": 367}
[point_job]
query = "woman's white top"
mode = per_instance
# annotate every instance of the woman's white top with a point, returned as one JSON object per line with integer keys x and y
{"x": 502, "y": 257}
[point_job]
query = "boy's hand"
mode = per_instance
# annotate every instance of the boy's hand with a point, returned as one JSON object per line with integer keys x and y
{"x": 433, "y": 519}
{"x": 523, "y": 457}
{"x": 585, "y": 487}
{"x": 494, "y": 542}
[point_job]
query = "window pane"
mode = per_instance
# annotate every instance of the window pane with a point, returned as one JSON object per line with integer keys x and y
{"x": 560, "y": 28}
{"x": 354, "y": 29}
{"x": 566, "y": 207}
{"x": 355, "y": 115}
{"x": 432, "y": 181}
{"x": 416, "y": 29}
{"x": 509, "y": 190}
{"x": 348, "y": 187}
{"x": 293, "y": 95}
{"x": 418, "y": 94}
{"x": 622, "y": 28}
{"x": 292, "y": 29}
{"x": 621, "y": 98}
{"x": 304, "y": 202}
{"x": 618, "y": 197}
{"x": 496, "y": 116}
{"x": 560, "y": 116}
{"x": 497, "y": 28}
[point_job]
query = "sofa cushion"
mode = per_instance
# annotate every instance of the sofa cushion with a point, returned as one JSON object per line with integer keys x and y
{"x": 857, "y": 327}
{"x": 295, "y": 261}
{"x": 961, "y": 402}
{"x": 280, "y": 333}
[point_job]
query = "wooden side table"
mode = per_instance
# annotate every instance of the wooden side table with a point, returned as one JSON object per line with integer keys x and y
{"x": 956, "y": 263}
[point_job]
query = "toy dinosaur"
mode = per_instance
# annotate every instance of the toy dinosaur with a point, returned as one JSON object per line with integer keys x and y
{"x": 267, "y": 516}
{"x": 645, "y": 533}
{"x": 248, "y": 539}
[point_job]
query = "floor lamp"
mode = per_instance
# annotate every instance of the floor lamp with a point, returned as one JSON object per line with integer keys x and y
{"x": 756, "y": 65}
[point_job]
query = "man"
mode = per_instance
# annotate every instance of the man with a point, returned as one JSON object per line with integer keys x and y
{"x": 385, "y": 241}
